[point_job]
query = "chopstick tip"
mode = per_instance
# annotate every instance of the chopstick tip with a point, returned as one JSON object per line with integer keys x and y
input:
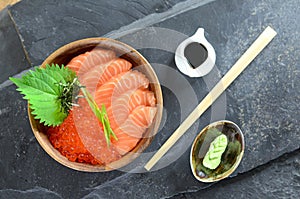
{"x": 148, "y": 167}
{"x": 271, "y": 31}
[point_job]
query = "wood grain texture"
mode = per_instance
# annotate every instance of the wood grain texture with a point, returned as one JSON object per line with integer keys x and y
{"x": 4, "y": 3}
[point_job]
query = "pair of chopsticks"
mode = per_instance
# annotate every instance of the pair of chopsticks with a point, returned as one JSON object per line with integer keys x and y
{"x": 259, "y": 44}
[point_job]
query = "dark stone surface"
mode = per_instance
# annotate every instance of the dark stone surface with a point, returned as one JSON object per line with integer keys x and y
{"x": 29, "y": 194}
{"x": 12, "y": 56}
{"x": 263, "y": 101}
{"x": 265, "y": 98}
{"x": 47, "y": 25}
{"x": 24, "y": 164}
{"x": 277, "y": 179}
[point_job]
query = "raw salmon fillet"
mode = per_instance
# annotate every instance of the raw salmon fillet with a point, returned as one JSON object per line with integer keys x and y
{"x": 120, "y": 109}
{"x": 130, "y": 132}
{"x": 84, "y": 62}
{"x": 118, "y": 85}
{"x": 103, "y": 73}
{"x": 125, "y": 142}
{"x": 90, "y": 132}
{"x": 130, "y": 105}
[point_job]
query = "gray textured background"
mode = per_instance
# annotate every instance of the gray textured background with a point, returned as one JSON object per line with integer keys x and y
{"x": 263, "y": 101}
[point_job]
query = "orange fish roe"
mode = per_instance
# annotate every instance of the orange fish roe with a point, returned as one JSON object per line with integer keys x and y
{"x": 80, "y": 137}
{"x": 66, "y": 139}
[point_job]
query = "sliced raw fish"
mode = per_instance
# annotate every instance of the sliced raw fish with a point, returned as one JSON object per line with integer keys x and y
{"x": 130, "y": 132}
{"x": 118, "y": 85}
{"x": 84, "y": 62}
{"x": 103, "y": 73}
{"x": 120, "y": 109}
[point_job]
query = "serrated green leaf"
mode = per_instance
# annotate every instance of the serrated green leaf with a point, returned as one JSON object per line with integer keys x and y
{"x": 55, "y": 73}
{"x": 26, "y": 89}
{"x": 37, "y": 98}
{"x": 51, "y": 115}
{"x": 42, "y": 87}
{"x": 49, "y": 78}
{"x": 67, "y": 74}
{"x": 50, "y": 90}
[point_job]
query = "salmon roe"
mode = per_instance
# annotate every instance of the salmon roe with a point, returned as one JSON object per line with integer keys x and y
{"x": 67, "y": 141}
{"x": 80, "y": 137}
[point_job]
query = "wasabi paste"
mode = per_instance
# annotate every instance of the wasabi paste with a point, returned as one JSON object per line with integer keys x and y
{"x": 217, "y": 147}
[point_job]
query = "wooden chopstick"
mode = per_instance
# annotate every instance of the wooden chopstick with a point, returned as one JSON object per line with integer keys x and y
{"x": 259, "y": 44}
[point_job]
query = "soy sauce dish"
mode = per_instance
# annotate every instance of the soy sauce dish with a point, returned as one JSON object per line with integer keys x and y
{"x": 217, "y": 151}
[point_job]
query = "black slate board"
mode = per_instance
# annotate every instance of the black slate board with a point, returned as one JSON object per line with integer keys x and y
{"x": 12, "y": 56}
{"x": 263, "y": 100}
{"x": 24, "y": 164}
{"x": 278, "y": 179}
{"x": 47, "y": 25}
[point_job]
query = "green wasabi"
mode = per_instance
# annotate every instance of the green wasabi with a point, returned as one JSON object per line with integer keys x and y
{"x": 217, "y": 147}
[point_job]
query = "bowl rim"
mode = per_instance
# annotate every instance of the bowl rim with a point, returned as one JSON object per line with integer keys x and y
{"x": 132, "y": 155}
{"x": 235, "y": 165}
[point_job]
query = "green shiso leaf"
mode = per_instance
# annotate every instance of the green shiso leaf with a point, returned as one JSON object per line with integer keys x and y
{"x": 212, "y": 158}
{"x": 43, "y": 89}
{"x": 50, "y": 92}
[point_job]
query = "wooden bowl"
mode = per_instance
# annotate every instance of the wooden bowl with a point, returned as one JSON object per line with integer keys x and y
{"x": 62, "y": 56}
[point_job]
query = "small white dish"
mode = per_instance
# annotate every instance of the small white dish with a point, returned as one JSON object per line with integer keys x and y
{"x": 183, "y": 63}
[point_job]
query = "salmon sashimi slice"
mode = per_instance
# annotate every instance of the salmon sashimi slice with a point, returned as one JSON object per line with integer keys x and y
{"x": 133, "y": 128}
{"x": 104, "y": 72}
{"x": 118, "y": 85}
{"x": 141, "y": 97}
{"x": 90, "y": 132}
{"x": 141, "y": 117}
{"x": 84, "y": 62}
{"x": 120, "y": 109}
{"x": 125, "y": 142}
